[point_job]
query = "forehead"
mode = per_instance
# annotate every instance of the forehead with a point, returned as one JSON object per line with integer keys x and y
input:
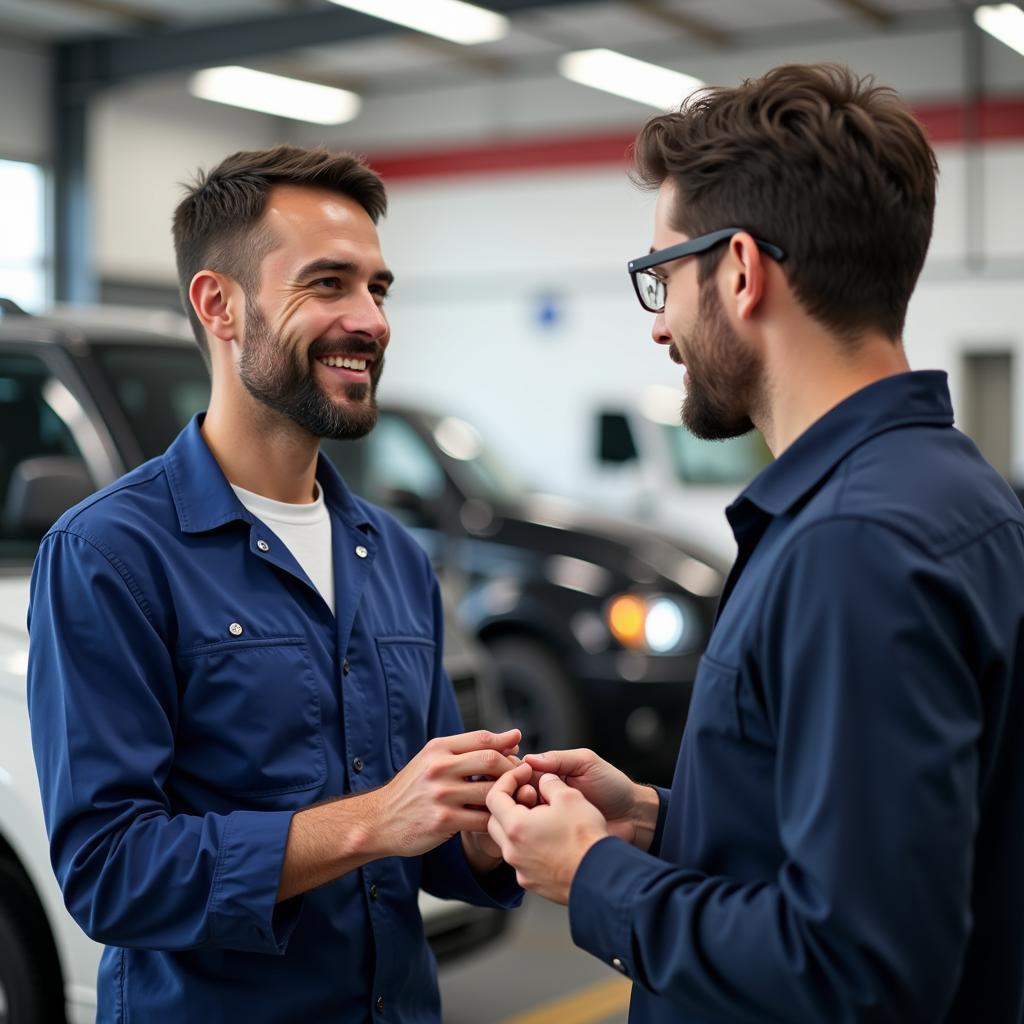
{"x": 305, "y": 219}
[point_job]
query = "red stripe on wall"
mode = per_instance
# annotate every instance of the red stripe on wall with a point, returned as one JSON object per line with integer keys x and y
{"x": 997, "y": 120}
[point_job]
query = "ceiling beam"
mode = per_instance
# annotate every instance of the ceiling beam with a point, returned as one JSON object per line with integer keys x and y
{"x": 700, "y": 29}
{"x": 96, "y": 63}
{"x": 466, "y": 56}
{"x": 868, "y": 10}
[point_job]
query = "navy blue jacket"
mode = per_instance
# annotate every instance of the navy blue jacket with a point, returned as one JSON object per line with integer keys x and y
{"x": 844, "y": 837}
{"x": 189, "y": 690}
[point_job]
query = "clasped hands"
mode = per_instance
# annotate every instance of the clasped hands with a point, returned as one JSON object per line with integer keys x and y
{"x": 540, "y": 815}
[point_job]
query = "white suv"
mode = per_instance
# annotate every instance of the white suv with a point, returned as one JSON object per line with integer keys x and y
{"x": 82, "y": 402}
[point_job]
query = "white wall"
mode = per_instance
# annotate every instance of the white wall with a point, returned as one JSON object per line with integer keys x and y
{"x": 25, "y": 115}
{"x": 474, "y": 257}
{"x": 143, "y": 142}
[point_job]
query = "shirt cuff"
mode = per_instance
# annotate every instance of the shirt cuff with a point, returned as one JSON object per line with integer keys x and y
{"x": 659, "y": 830}
{"x": 601, "y": 901}
{"x": 448, "y": 875}
{"x": 244, "y": 913}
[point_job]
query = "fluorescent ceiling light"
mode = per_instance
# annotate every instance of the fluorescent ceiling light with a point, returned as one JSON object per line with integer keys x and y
{"x": 450, "y": 19}
{"x": 275, "y": 94}
{"x": 625, "y": 76}
{"x": 1003, "y": 21}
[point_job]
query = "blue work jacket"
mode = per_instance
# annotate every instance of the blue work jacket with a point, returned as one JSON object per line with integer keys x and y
{"x": 844, "y": 836}
{"x": 189, "y": 690}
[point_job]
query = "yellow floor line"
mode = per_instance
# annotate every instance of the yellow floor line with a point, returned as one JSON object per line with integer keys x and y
{"x": 588, "y": 1006}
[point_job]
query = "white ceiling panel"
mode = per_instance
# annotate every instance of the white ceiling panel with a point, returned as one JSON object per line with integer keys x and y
{"x": 54, "y": 20}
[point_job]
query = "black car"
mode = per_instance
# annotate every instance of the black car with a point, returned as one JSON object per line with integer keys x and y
{"x": 597, "y": 625}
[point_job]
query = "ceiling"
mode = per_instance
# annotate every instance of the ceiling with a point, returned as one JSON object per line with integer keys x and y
{"x": 392, "y": 61}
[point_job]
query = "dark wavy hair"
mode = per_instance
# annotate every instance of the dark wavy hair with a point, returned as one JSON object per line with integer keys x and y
{"x": 827, "y": 165}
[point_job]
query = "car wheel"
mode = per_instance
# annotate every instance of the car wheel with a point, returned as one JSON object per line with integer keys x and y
{"x": 27, "y": 980}
{"x": 538, "y": 694}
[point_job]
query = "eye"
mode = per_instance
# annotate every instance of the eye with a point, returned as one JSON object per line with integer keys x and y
{"x": 327, "y": 282}
{"x": 379, "y": 291}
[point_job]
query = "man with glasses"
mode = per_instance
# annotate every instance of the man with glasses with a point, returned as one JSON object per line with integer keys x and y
{"x": 844, "y": 833}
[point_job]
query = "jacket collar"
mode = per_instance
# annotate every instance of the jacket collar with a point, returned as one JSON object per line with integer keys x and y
{"x": 906, "y": 399}
{"x": 204, "y": 500}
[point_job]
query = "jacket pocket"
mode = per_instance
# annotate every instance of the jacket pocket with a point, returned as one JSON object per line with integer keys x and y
{"x": 714, "y": 708}
{"x": 408, "y": 664}
{"x": 250, "y": 722}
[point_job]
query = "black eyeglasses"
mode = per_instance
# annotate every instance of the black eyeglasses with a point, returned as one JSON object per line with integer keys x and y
{"x": 650, "y": 289}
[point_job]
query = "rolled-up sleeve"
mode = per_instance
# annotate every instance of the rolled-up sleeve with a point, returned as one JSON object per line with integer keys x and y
{"x": 103, "y": 704}
{"x": 875, "y": 717}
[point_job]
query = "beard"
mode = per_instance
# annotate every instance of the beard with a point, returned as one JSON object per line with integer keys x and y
{"x": 723, "y": 377}
{"x": 285, "y": 380}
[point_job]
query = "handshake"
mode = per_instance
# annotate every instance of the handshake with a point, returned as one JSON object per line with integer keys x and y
{"x": 540, "y": 814}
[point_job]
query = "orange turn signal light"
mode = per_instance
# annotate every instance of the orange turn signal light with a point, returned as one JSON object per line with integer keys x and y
{"x": 627, "y": 616}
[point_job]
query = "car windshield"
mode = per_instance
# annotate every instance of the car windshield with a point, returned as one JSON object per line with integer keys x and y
{"x": 159, "y": 388}
{"x": 410, "y": 454}
{"x": 735, "y": 461}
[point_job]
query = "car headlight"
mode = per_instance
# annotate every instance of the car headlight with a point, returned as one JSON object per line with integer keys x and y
{"x": 653, "y": 623}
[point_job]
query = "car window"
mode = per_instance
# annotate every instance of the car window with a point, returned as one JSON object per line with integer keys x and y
{"x": 735, "y": 461}
{"x": 392, "y": 457}
{"x": 159, "y": 388}
{"x": 29, "y": 428}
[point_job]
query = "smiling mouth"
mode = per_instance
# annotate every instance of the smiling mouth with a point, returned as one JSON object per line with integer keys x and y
{"x": 353, "y": 363}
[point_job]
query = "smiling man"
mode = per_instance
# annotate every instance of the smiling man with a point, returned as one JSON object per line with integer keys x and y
{"x": 249, "y": 754}
{"x": 844, "y": 834}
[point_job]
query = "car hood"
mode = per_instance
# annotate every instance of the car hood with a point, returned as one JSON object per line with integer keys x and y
{"x": 560, "y": 527}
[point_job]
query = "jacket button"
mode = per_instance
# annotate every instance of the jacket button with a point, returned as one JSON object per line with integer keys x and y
{"x": 345, "y": 667}
{"x": 262, "y": 545}
{"x": 373, "y": 890}
{"x": 361, "y": 551}
{"x": 618, "y": 965}
{"x": 380, "y": 1004}
{"x": 357, "y": 764}
{"x": 235, "y": 629}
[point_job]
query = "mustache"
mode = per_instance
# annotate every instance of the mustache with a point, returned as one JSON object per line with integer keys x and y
{"x": 351, "y": 347}
{"x": 674, "y": 354}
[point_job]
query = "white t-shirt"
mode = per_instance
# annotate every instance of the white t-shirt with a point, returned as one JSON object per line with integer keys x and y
{"x": 305, "y": 530}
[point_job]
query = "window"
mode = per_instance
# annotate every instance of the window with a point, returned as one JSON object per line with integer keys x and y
{"x": 159, "y": 388}
{"x": 24, "y": 259}
{"x": 30, "y": 431}
{"x": 735, "y": 461}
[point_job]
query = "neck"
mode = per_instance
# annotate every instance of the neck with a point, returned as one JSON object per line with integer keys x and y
{"x": 808, "y": 373}
{"x": 260, "y": 449}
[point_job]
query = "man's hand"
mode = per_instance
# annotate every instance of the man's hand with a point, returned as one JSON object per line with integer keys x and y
{"x": 630, "y": 810}
{"x": 432, "y": 797}
{"x": 545, "y": 843}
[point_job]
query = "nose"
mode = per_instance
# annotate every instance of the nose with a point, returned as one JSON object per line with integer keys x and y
{"x": 363, "y": 316}
{"x": 659, "y": 330}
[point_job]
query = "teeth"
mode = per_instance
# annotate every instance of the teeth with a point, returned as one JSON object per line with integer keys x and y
{"x": 344, "y": 361}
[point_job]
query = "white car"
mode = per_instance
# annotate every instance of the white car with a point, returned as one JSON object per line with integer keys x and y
{"x": 74, "y": 415}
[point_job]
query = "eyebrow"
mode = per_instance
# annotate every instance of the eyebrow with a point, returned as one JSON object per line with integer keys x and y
{"x": 326, "y": 265}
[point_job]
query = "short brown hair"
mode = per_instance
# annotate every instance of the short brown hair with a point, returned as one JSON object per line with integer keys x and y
{"x": 830, "y": 167}
{"x": 216, "y": 225}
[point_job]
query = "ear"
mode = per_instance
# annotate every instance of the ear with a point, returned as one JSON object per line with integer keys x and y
{"x": 745, "y": 275}
{"x": 218, "y": 303}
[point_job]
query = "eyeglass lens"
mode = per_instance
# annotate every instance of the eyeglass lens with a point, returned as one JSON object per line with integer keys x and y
{"x": 652, "y": 291}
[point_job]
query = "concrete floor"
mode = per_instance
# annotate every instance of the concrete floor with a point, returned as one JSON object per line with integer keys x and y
{"x": 533, "y": 975}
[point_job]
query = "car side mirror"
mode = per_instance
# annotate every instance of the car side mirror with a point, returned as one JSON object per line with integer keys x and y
{"x": 41, "y": 489}
{"x": 615, "y": 439}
